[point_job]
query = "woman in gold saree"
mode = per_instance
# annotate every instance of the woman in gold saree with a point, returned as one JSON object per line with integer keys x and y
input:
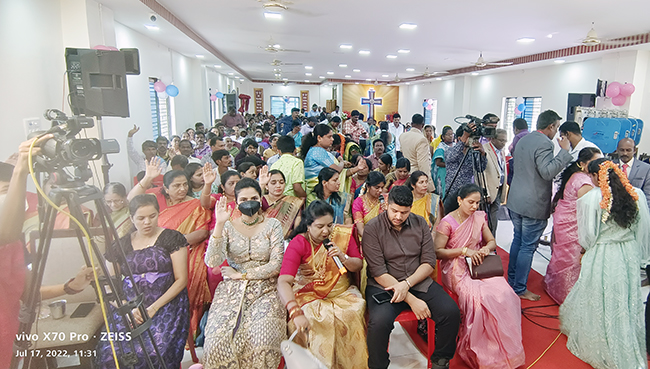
{"x": 277, "y": 205}
{"x": 369, "y": 204}
{"x": 181, "y": 212}
{"x": 246, "y": 322}
{"x": 425, "y": 204}
{"x": 322, "y": 303}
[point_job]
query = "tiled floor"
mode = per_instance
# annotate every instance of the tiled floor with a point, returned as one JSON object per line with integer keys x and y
{"x": 403, "y": 354}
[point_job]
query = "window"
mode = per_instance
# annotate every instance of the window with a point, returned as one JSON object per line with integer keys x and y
{"x": 284, "y": 104}
{"x": 533, "y": 108}
{"x": 159, "y": 112}
{"x": 430, "y": 116}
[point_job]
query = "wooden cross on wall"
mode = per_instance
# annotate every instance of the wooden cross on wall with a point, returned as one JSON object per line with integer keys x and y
{"x": 371, "y": 101}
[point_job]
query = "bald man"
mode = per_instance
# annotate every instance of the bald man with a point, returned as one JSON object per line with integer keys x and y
{"x": 637, "y": 171}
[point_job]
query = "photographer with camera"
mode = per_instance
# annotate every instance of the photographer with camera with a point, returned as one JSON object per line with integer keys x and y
{"x": 12, "y": 263}
{"x": 490, "y": 120}
{"x": 467, "y": 140}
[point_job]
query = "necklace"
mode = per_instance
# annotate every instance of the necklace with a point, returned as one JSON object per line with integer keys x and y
{"x": 257, "y": 219}
{"x": 458, "y": 217}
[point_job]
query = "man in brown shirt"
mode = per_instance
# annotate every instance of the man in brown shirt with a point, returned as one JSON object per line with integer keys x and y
{"x": 398, "y": 248}
{"x": 233, "y": 119}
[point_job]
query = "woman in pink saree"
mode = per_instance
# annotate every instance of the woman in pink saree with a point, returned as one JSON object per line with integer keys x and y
{"x": 564, "y": 268}
{"x": 490, "y": 333}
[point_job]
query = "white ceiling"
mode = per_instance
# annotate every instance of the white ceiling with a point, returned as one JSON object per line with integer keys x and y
{"x": 449, "y": 34}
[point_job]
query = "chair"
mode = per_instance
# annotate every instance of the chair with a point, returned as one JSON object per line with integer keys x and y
{"x": 409, "y": 322}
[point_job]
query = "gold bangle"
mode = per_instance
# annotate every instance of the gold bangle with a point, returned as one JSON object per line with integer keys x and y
{"x": 243, "y": 276}
{"x": 464, "y": 251}
{"x": 140, "y": 184}
{"x": 409, "y": 283}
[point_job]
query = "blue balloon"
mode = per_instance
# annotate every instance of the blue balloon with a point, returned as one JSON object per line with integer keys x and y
{"x": 424, "y": 104}
{"x": 219, "y": 95}
{"x": 172, "y": 90}
{"x": 521, "y": 107}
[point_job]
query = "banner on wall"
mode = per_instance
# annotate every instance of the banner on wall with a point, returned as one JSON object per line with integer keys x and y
{"x": 304, "y": 99}
{"x": 259, "y": 100}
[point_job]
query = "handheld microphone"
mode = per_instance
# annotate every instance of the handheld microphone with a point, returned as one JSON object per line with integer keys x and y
{"x": 337, "y": 261}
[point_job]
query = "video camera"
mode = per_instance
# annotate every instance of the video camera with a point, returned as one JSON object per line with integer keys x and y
{"x": 480, "y": 130}
{"x": 64, "y": 150}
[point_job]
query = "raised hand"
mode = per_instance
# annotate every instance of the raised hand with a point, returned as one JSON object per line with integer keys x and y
{"x": 154, "y": 167}
{"x": 133, "y": 131}
{"x": 221, "y": 211}
{"x": 209, "y": 176}
{"x": 265, "y": 177}
{"x": 564, "y": 143}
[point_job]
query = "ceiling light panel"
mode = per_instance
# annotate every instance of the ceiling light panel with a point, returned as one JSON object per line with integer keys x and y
{"x": 151, "y": 27}
{"x": 410, "y": 69}
{"x": 408, "y": 26}
{"x": 309, "y": 67}
{"x": 330, "y": 73}
{"x": 356, "y": 70}
{"x": 345, "y": 46}
{"x": 272, "y": 15}
{"x": 525, "y": 40}
{"x": 364, "y": 52}
{"x": 391, "y": 56}
{"x": 343, "y": 65}
{"x": 403, "y": 51}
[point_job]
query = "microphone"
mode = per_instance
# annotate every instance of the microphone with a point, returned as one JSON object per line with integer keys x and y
{"x": 337, "y": 261}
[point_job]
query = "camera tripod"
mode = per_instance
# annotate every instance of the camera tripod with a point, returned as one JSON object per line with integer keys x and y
{"x": 74, "y": 194}
{"x": 479, "y": 180}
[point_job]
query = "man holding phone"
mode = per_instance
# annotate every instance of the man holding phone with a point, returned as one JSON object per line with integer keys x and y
{"x": 399, "y": 251}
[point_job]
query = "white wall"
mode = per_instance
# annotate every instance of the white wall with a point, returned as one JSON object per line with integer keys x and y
{"x": 31, "y": 51}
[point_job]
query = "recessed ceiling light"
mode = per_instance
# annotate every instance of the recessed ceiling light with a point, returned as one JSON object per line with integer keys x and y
{"x": 410, "y": 69}
{"x": 408, "y": 26}
{"x": 475, "y": 73}
{"x": 438, "y": 79}
{"x": 308, "y": 74}
{"x": 526, "y": 40}
{"x": 364, "y": 52}
{"x": 345, "y": 46}
{"x": 217, "y": 66}
{"x": 272, "y": 15}
{"x": 321, "y": 77}
{"x": 343, "y": 65}
{"x": 308, "y": 67}
{"x": 385, "y": 75}
{"x": 408, "y": 83}
{"x": 200, "y": 56}
{"x": 241, "y": 79}
{"x": 368, "y": 79}
{"x": 330, "y": 73}
{"x": 403, "y": 51}
{"x": 356, "y": 70}
{"x": 231, "y": 74}
{"x": 559, "y": 61}
{"x": 285, "y": 79}
{"x": 356, "y": 83}
{"x": 277, "y": 46}
{"x": 550, "y": 35}
{"x": 391, "y": 56}
{"x": 306, "y": 80}
{"x": 348, "y": 76}
{"x": 151, "y": 27}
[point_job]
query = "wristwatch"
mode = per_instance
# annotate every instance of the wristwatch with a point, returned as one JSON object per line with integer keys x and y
{"x": 346, "y": 257}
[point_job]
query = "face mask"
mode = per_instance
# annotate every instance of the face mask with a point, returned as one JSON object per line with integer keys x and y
{"x": 258, "y": 139}
{"x": 250, "y": 208}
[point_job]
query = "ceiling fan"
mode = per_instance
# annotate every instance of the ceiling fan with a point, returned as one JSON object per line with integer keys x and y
{"x": 427, "y": 73}
{"x": 480, "y": 62}
{"x": 274, "y": 47}
{"x": 277, "y": 63}
{"x": 592, "y": 39}
{"x": 279, "y": 6}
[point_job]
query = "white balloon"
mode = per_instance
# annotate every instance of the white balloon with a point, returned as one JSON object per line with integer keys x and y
{"x": 162, "y": 95}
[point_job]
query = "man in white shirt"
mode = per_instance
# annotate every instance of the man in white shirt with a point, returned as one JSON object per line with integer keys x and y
{"x": 571, "y": 130}
{"x": 313, "y": 112}
{"x": 309, "y": 126}
{"x": 396, "y": 129}
{"x": 336, "y": 112}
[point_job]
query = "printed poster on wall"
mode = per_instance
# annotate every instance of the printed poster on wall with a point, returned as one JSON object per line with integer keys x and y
{"x": 304, "y": 99}
{"x": 259, "y": 100}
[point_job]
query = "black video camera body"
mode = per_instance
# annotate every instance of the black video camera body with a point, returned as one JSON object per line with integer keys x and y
{"x": 480, "y": 130}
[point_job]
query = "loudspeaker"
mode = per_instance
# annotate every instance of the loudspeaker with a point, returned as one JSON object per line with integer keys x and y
{"x": 97, "y": 80}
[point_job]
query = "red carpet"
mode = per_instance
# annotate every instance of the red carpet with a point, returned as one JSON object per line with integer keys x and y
{"x": 535, "y": 338}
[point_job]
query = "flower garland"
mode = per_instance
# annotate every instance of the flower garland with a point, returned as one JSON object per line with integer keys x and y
{"x": 342, "y": 149}
{"x": 606, "y": 189}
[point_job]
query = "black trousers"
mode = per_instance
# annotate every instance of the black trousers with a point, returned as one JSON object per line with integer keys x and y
{"x": 444, "y": 313}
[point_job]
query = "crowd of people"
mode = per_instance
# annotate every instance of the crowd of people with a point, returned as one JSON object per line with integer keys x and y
{"x": 248, "y": 231}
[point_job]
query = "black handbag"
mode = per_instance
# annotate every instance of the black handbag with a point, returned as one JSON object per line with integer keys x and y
{"x": 490, "y": 267}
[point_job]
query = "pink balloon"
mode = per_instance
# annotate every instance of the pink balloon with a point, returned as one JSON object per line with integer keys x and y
{"x": 613, "y": 89}
{"x": 159, "y": 86}
{"x": 196, "y": 366}
{"x": 517, "y": 112}
{"x": 627, "y": 89}
{"x": 619, "y": 100}
{"x": 213, "y": 97}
